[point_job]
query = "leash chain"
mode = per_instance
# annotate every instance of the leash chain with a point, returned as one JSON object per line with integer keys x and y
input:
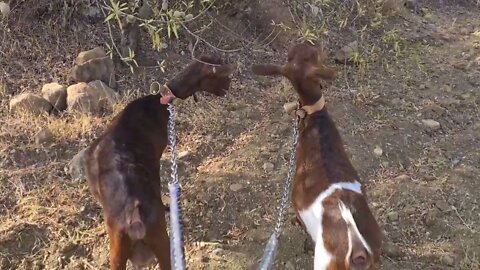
{"x": 176, "y": 237}
{"x": 271, "y": 248}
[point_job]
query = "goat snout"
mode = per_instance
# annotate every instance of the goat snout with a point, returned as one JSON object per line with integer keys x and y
{"x": 359, "y": 259}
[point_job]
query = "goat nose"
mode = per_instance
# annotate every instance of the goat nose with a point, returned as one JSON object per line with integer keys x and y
{"x": 359, "y": 258}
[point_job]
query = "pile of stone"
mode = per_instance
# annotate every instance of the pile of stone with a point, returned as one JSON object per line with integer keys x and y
{"x": 92, "y": 93}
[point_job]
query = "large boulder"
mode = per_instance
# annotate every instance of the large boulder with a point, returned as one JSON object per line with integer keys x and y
{"x": 95, "y": 69}
{"x": 106, "y": 96}
{"x": 56, "y": 94}
{"x": 97, "y": 52}
{"x": 81, "y": 99}
{"x": 29, "y": 103}
{"x": 93, "y": 97}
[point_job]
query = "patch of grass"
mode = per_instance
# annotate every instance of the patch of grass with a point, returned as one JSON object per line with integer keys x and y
{"x": 395, "y": 42}
{"x": 416, "y": 52}
{"x": 363, "y": 96}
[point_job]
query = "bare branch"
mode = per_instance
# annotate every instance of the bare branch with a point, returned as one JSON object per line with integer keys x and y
{"x": 206, "y": 42}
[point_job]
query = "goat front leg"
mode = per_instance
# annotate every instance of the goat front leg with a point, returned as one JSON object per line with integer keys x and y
{"x": 158, "y": 240}
{"x": 119, "y": 249}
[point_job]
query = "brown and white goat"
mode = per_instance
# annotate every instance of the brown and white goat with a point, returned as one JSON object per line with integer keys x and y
{"x": 123, "y": 167}
{"x": 327, "y": 197}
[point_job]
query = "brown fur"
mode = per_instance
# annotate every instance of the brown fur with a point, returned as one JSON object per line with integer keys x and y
{"x": 322, "y": 161}
{"x": 122, "y": 168}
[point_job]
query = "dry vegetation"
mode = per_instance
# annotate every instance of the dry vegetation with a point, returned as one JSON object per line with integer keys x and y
{"x": 409, "y": 67}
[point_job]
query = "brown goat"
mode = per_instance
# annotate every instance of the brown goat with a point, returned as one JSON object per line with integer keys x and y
{"x": 123, "y": 167}
{"x": 327, "y": 197}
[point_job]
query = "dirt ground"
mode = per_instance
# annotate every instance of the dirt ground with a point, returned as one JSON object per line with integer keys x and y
{"x": 423, "y": 187}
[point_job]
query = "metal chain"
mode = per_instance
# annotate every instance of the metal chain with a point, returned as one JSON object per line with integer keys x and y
{"x": 271, "y": 248}
{"x": 176, "y": 237}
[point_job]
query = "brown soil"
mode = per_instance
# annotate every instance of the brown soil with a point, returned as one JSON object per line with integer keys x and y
{"x": 430, "y": 214}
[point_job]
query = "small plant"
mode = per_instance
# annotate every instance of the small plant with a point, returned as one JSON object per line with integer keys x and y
{"x": 309, "y": 34}
{"x": 395, "y": 41}
{"x": 116, "y": 9}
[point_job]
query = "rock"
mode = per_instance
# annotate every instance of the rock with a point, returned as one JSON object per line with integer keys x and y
{"x": 465, "y": 31}
{"x": 347, "y": 53}
{"x": 92, "y": 13}
{"x": 164, "y": 4}
{"x": 4, "y": 9}
{"x": 43, "y": 136}
{"x": 183, "y": 154}
{"x": 402, "y": 177}
{"x": 448, "y": 260}
{"x": 29, "y": 103}
{"x": 392, "y": 250}
{"x": 378, "y": 151}
{"x": 76, "y": 166}
{"x": 476, "y": 126}
{"x": 219, "y": 252}
{"x": 422, "y": 86}
{"x": 442, "y": 205}
{"x": 67, "y": 248}
{"x": 95, "y": 69}
{"x": 105, "y": 95}
{"x": 81, "y": 99}
{"x": 236, "y": 187}
{"x": 189, "y": 17}
{"x": 393, "y": 6}
{"x": 289, "y": 266}
{"x": 466, "y": 96}
{"x": 410, "y": 210}
{"x": 396, "y": 101}
{"x": 429, "y": 178}
{"x": 437, "y": 110}
{"x": 411, "y": 5}
{"x": 97, "y": 52}
{"x": 393, "y": 216}
{"x": 431, "y": 124}
{"x": 268, "y": 167}
{"x": 56, "y": 94}
{"x": 178, "y": 14}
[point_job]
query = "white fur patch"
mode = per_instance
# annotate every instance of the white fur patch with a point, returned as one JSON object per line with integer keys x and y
{"x": 348, "y": 217}
{"x": 312, "y": 218}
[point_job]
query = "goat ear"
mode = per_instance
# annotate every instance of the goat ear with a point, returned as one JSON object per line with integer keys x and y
{"x": 224, "y": 70}
{"x": 268, "y": 70}
{"x": 323, "y": 72}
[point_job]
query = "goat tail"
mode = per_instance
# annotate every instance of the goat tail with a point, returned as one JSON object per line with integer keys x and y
{"x": 136, "y": 228}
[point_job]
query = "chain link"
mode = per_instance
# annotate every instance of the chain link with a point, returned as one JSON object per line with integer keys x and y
{"x": 176, "y": 237}
{"x": 271, "y": 248}
{"x": 173, "y": 143}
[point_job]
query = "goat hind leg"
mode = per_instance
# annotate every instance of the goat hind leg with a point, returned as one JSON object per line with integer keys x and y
{"x": 159, "y": 242}
{"x": 119, "y": 249}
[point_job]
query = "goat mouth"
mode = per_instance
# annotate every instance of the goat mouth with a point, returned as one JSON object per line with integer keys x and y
{"x": 167, "y": 99}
